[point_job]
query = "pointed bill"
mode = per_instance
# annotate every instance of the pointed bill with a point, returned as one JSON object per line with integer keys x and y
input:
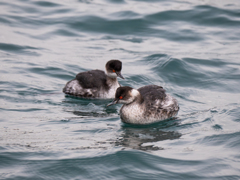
{"x": 119, "y": 75}
{"x": 115, "y": 101}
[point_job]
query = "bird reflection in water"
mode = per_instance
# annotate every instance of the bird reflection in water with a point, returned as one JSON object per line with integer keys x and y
{"x": 139, "y": 137}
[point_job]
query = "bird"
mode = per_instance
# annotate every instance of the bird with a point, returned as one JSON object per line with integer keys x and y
{"x": 146, "y": 105}
{"x": 96, "y": 83}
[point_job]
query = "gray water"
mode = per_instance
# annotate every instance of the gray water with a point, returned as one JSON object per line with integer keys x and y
{"x": 191, "y": 48}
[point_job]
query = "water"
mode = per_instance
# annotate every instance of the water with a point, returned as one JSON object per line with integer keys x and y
{"x": 191, "y": 48}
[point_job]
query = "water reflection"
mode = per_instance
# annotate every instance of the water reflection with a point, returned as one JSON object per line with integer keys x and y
{"x": 85, "y": 114}
{"x": 85, "y": 108}
{"x": 142, "y": 138}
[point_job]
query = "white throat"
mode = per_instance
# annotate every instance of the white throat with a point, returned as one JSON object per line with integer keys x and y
{"x": 110, "y": 74}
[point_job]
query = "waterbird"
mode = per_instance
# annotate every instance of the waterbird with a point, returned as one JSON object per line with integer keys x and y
{"x": 146, "y": 105}
{"x": 96, "y": 83}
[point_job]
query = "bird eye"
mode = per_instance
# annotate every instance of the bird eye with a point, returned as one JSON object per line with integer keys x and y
{"x": 114, "y": 70}
{"x": 120, "y": 97}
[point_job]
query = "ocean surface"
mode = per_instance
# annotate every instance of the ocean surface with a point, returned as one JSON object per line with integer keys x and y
{"x": 190, "y": 47}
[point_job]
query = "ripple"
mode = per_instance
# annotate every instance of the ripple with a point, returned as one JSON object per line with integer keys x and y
{"x": 184, "y": 72}
{"x": 201, "y": 15}
{"x": 125, "y": 15}
{"x": 28, "y": 50}
{"x": 191, "y": 48}
{"x": 46, "y": 4}
{"x": 62, "y": 32}
{"x": 229, "y": 140}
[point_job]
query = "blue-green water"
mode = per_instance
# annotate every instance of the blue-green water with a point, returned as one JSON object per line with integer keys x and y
{"x": 191, "y": 48}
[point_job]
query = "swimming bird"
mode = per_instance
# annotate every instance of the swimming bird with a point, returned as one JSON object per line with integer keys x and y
{"x": 145, "y": 105}
{"x": 96, "y": 83}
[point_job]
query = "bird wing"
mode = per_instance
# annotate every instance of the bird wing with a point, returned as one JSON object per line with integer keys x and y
{"x": 92, "y": 79}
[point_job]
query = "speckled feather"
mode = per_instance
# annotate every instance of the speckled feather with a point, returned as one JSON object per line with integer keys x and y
{"x": 152, "y": 92}
{"x": 151, "y": 106}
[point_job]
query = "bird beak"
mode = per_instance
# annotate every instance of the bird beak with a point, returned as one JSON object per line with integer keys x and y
{"x": 115, "y": 101}
{"x": 119, "y": 75}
